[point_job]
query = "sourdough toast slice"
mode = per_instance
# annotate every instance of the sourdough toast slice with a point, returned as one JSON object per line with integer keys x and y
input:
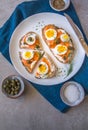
{"x": 46, "y": 68}
{"x": 59, "y": 42}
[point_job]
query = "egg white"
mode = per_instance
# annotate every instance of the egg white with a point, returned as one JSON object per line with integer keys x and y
{"x": 60, "y": 53}
{"x": 46, "y": 71}
{"x": 65, "y": 37}
{"x": 51, "y": 37}
{"x": 24, "y": 53}
{"x": 30, "y": 36}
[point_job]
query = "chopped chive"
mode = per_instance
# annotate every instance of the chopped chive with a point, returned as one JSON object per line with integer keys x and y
{"x": 70, "y": 69}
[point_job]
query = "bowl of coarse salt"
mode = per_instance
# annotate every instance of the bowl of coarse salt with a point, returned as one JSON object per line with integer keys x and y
{"x": 72, "y": 93}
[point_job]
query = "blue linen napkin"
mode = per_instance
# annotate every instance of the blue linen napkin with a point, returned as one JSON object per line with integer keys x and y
{"x": 24, "y": 10}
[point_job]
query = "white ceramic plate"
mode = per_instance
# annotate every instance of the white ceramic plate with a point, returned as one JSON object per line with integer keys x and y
{"x": 36, "y": 23}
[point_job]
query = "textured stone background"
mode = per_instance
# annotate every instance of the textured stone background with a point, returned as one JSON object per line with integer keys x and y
{"x": 32, "y": 111}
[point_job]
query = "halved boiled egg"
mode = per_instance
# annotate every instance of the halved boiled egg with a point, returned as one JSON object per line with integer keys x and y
{"x": 64, "y": 37}
{"x": 43, "y": 68}
{"x": 30, "y": 39}
{"x": 50, "y": 34}
{"x": 60, "y": 49}
{"x": 27, "y": 55}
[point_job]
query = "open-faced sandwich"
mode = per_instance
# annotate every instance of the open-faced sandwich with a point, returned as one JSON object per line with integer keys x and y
{"x": 30, "y": 40}
{"x": 46, "y": 68}
{"x": 29, "y": 58}
{"x": 59, "y": 42}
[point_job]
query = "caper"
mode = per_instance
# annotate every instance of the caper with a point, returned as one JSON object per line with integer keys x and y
{"x": 6, "y": 89}
{"x": 15, "y": 86}
{"x": 12, "y": 80}
{"x": 11, "y": 93}
{"x": 12, "y": 83}
{"x": 16, "y": 92}
{"x": 12, "y": 89}
{"x": 18, "y": 83}
{"x": 7, "y": 81}
{"x": 9, "y": 86}
{"x": 16, "y": 80}
{"x": 4, "y": 86}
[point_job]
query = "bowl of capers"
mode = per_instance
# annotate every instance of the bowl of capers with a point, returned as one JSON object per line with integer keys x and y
{"x": 13, "y": 86}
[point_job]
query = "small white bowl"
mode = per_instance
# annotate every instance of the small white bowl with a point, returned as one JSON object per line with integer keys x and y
{"x": 67, "y": 3}
{"x": 21, "y": 86}
{"x": 69, "y": 101}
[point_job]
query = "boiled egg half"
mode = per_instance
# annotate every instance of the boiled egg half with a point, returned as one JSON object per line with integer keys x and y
{"x": 60, "y": 49}
{"x": 30, "y": 39}
{"x": 64, "y": 37}
{"x": 27, "y": 55}
{"x": 43, "y": 68}
{"x": 50, "y": 34}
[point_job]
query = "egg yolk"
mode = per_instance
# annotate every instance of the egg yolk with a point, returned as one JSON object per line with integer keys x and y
{"x": 51, "y": 34}
{"x": 64, "y": 37}
{"x": 42, "y": 69}
{"x": 28, "y": 54}
{"x": 61, "y": 49}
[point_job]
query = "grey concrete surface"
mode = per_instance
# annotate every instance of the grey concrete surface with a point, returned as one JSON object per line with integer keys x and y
{"x": 32, "y": 111}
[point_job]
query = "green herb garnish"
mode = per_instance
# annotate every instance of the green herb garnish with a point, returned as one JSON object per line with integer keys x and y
{"x": 36, "y": 28}
{"x": 57, "y": 41}
{"x": 70, "y": 69}
{"x": 37, "y": 46}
